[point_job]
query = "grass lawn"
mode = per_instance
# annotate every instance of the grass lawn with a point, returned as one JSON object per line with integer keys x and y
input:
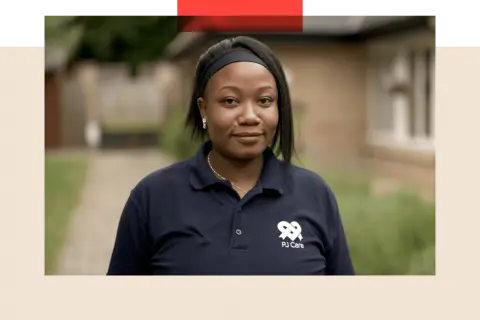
{"x": 64, "y": 180}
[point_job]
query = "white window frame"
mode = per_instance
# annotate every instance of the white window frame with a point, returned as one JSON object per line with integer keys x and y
{"x": 399, "y": 136}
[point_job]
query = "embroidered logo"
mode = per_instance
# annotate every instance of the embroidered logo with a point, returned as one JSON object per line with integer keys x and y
{"x": 291, "y": 230}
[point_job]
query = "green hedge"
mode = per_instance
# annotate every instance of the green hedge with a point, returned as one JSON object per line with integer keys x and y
{"x": 388, "y": 235}
{"x": 173, "y": 136}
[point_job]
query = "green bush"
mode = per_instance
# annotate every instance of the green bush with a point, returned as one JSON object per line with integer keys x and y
{"x": 174, "y": 138}
{"x": 388, "y": 235}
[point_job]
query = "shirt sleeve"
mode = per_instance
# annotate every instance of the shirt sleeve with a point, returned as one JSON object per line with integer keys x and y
{"x": 338, "y": 254}
{"x": 131, "y": 250}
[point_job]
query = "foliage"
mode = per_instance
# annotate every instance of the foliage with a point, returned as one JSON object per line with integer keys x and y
{"x": 388, "y": 235}
{"x": 174, "y": 138}
{"x": 113, "y": 127}
{"x": 133, "y": 39}
{"x": 60, "y": 36}
{"x": 64, "y": 180}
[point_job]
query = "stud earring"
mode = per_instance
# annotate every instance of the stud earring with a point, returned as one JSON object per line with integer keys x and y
{"x": 204, "y": 121}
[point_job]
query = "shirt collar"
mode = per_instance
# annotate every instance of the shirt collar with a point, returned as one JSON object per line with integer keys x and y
{"x": 272, "y": 177}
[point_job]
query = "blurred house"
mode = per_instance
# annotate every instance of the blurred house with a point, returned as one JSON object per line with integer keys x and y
{"x": 362, "y": 89}
{"x": 53, "y": 65}
{"x": 89, "y": 95}
{"x": 64, "y": 113}
{"x": 99, "y": 104}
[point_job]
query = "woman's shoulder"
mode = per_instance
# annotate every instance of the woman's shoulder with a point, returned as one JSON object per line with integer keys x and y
{"x": 303, "y": 177}
{"x": 312, "y": 184}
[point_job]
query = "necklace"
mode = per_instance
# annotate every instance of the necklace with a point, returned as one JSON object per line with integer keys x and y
{"x": 221, "y": 177}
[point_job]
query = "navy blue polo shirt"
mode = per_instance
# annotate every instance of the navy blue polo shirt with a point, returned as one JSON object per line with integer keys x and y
{"x": 182, "y": 220}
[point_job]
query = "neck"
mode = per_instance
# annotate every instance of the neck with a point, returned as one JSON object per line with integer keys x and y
{"x": 244, "y": 173}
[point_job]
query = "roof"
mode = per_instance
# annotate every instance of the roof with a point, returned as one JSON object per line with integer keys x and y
{"x": 312, "y": 27}
{"x": 344, "y": 25}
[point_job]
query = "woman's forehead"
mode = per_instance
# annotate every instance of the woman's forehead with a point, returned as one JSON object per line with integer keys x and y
{"x": 241, "y": 74}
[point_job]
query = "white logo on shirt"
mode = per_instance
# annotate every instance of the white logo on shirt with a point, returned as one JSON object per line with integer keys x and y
{"x": 291, "y": 230}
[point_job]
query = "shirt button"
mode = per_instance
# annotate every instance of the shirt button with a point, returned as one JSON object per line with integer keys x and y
{"x": 238, "y": 232}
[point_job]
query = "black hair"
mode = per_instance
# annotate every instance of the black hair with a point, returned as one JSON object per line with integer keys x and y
{"x": 283, "y": 141}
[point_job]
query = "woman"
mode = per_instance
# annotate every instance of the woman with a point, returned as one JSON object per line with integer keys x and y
{"x": 234, "y": 208}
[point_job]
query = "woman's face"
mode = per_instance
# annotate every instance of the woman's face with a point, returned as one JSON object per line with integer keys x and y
{"x": 240, "y": 104}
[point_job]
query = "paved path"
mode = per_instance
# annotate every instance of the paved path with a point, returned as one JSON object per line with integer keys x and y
{"x": 111, "y": 176}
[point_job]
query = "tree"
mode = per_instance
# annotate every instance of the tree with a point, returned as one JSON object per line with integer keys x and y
{"x": 61, "y": 40}
{"x": 126, "y": 38}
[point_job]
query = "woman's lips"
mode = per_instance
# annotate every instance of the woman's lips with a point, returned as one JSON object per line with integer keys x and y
{"x": 247, "y": 134}
{"x": 247, "y": 137}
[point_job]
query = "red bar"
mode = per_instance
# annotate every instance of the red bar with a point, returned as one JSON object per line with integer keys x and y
{"x": 258, "y": 23}
{"x": 239, "y": 8}
{"x": 392, "y": 4}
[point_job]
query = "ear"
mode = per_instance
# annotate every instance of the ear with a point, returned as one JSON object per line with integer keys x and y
{"x": 202, "y": 106}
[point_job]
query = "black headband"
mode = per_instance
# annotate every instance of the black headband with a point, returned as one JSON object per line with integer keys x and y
{"x": 231, "y": 56}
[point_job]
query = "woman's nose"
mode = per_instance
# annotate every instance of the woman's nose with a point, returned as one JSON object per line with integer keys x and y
{"x": 249, "y": 113}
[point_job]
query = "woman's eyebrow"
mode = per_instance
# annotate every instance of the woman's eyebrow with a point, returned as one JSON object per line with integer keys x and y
{"x": 237, "y": 89}
{"x": 230, "y": 87}
{"x": 265, "y": 87}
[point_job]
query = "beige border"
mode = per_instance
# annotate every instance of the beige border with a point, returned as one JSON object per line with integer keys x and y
{"x": 21, "y": 176}
{"x": 38, "y": 297}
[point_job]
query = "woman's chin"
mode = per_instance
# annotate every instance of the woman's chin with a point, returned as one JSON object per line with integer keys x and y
{"x": 247, "y": 154}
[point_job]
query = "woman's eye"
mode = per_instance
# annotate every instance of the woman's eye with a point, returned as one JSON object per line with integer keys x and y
{"x": 229, "y": 101}
{"x": 266, "y": 101}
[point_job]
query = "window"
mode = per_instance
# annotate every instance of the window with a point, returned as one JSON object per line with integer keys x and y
{"x": 405, "y": 117}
